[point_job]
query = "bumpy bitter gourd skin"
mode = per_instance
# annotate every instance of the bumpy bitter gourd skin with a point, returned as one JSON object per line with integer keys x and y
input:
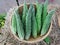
{"x": 38, "y": 16}
{"x": 20, "y": 30}
{"x": 45, "y": 5}
{"x": 28, "y": 23}
{"x": 25, "y": 10}
{"x": 14, "y": 28}
{"x": 34, "y": 23}
{"x": 47, "y": 22}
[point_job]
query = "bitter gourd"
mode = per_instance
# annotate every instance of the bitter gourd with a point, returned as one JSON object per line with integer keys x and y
{"x": 25, "y": 9}
{"x": 38, "y": 16}
{"x": 28, "y": 23}
{"x": 44, "y": 10}
{"x": 34, "y": 23}
{"x": 20, "y": 29}
{"x": 14, "y": 24}
{"x": 47, "y": 22}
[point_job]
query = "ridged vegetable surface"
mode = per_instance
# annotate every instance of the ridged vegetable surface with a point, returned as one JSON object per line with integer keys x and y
{"x": 20, "y": 30}
{"x": 34, "y": 24}
{"x": 28, "y": 23}
{"x": 14, "y": 24}
{"x": 25, "y": 9}
{"x": 38, "y": 16}
{"x": 47, "y": 22}
{"x": 45, "y": 5}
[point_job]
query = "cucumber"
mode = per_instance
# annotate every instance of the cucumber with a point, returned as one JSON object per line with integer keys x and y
{"x": 28, "y": 23}
{"x": 34, "y": 24}
{"x": 47, "y": 22}
{"x": 38, "y": 16}
{"x": 14, "y": 24}
{"x": 20, "y": 29}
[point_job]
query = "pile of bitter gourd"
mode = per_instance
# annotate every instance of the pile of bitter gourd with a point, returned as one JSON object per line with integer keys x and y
{"x": 32, "y": 22}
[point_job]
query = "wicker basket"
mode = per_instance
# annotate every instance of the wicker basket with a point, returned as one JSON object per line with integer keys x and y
{"x": 31, "y": 40}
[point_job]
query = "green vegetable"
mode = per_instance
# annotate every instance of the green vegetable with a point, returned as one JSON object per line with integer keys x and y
{"x": 2, "y": 19}
{"x": 47, "y": 22}
{"x": 20, "y": 30}
{"x": 38, "y": 16}
{"x": 2, "y": 23}
{"x": 25, "y": 10}
{"x": 14, "y": 24}
{"x": 45, "y": 9}
{"x": 34, "y": 24}
{"x": 47, "y": 40}
{"x": 28, "y": 23}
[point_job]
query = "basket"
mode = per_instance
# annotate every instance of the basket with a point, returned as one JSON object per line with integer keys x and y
{"x": 31, "y": 40}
